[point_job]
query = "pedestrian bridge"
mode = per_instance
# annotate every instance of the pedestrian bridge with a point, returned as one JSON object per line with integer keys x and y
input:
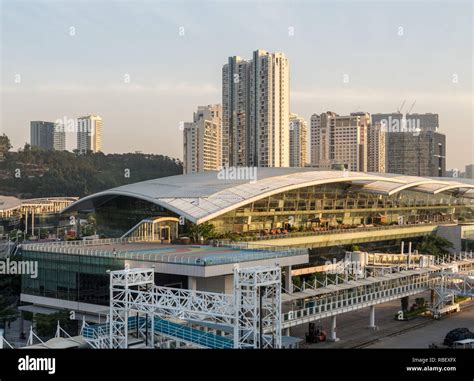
{"x": 350, "y": 295}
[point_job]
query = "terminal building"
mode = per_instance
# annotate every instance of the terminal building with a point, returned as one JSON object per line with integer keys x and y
{"x": 275, "y": 213}
{"x": 257, "y": 203}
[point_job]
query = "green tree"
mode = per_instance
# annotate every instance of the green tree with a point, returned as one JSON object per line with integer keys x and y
{"x": 5, "y": 146}
{"x": 205, "y": 230}
{"x": 7, "y": 309}
{"x": 297, "y": 281}
{"x": 10, "y": 286}
{"x": 90, "y": 227}
{"x": 434, "y": 245}
{"x": 62, "y": 173}
{"x": 46, "y": 324}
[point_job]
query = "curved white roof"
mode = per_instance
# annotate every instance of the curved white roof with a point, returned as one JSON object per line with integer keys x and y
{"x": 8, "y": 203}
{"x": 202, "y": 196}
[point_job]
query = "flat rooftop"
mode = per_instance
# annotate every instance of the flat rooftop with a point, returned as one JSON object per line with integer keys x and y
{"x": 159, "y": 255}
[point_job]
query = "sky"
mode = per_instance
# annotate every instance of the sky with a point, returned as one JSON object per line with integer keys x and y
{"x": 145, "y": 66}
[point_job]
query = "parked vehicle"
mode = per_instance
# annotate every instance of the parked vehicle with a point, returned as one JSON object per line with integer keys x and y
{"x": 315, "y": 334}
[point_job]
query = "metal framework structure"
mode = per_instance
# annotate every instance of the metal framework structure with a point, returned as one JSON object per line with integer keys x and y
{"x": 254, "y": 310}
{"x": 345, "y": 294}
{"x": 121, "y": 284}
{"x": 449, "y": 286}
{"x": 258, "y": 305}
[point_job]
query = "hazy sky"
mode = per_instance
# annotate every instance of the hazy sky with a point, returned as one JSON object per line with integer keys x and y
{"x": 71, "y": 58}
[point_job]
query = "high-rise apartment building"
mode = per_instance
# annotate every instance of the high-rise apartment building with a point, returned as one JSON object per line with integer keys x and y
{"x": 413, "y": 145}
{"x": 375, "y": 148}
{"x": 235, "y": 112}
{"x": 315, "y": 139}
{"x": 340, "y": 140}
{"x": 89, "y": 134}
{"x": 255, "y": 102}
{"x": 298, "y": 141}
{"x": 202, "y": 140}
{"x": 321, "y": 127}
{"x": 48, "y": 135}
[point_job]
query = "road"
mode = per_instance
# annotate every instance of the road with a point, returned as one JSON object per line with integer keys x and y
{"x": 431, "y": 333}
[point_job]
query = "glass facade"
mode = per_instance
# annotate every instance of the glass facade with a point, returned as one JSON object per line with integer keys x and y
{"x": 318, "y": 207}
{"x": 80, "y": 278}
{"x": 70, "y": 277}
{"x": 336, "y": 205}
{"x": 117, "y": 216}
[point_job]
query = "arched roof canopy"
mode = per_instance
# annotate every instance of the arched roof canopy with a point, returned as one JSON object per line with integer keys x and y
{"x": 200, "y": 197}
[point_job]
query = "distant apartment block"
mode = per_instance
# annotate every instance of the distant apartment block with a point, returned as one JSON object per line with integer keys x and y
{"x": 375, "y": 148}
{"x": 255, "y": 107}
{"x": 315, "y": 139}
{"x": 47, "y": 135}
{"x": 202, "y": 140}
{"x": 340, "y": 140}
{"x": 298, "y": 141}
{"x": 469, "y": 173}
{"x": 413, "y": 145}
{"x": 89, "y": 134}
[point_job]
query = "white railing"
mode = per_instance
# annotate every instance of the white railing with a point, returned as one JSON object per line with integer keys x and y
{"x": 328, "y": 306}
{"x": 329, "y": 232}
{"x": 248, "y": 252}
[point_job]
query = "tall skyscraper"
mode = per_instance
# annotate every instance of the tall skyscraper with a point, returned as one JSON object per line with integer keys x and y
{"x": 48, "y": 135}
{"x": 413, "y": 145}
{"x": 202, "y": 140}
{"x": 298, "y": 141}
{"x": 89, "y": 134}
{"x": 375, "y": 148}
{"x": 340, "y": 140}
{"x": 255, "y": 101}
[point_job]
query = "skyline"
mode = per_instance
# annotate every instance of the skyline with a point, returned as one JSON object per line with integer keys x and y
{"x": 85, "y": 72}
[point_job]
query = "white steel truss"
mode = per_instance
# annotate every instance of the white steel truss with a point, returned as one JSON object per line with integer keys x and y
{"x": 461, "y": 284}
{"x": 258, "y": 325}
{"x": 449, "y": 286}
{"x": 254, "y": 309}
{"x": 258, "y": 307}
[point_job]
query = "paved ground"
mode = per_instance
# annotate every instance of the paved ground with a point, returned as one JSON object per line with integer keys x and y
{"x": 12, "y": 333}
{"x": 352, "y": 328}
{"x": 432, "y": 333}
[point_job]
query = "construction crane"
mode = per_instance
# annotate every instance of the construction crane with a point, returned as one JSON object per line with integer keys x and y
{"x": 399, "y": 110}
{"x": 411, "y": 108}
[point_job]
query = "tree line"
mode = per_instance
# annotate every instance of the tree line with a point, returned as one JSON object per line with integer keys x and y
{"x": 32, "y": 172}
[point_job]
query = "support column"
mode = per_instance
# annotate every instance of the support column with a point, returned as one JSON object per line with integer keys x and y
{"x": 288, "y": 282}
{"x": 332, "y": 332}
{"x": 372, "y": 318}
{"x": 26, "y": 223}
{"x": 22, "y": 326}
{"x": 286, "y": 332}
{"x": 405, "y": 302}
{"x": 192, "y": 283}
